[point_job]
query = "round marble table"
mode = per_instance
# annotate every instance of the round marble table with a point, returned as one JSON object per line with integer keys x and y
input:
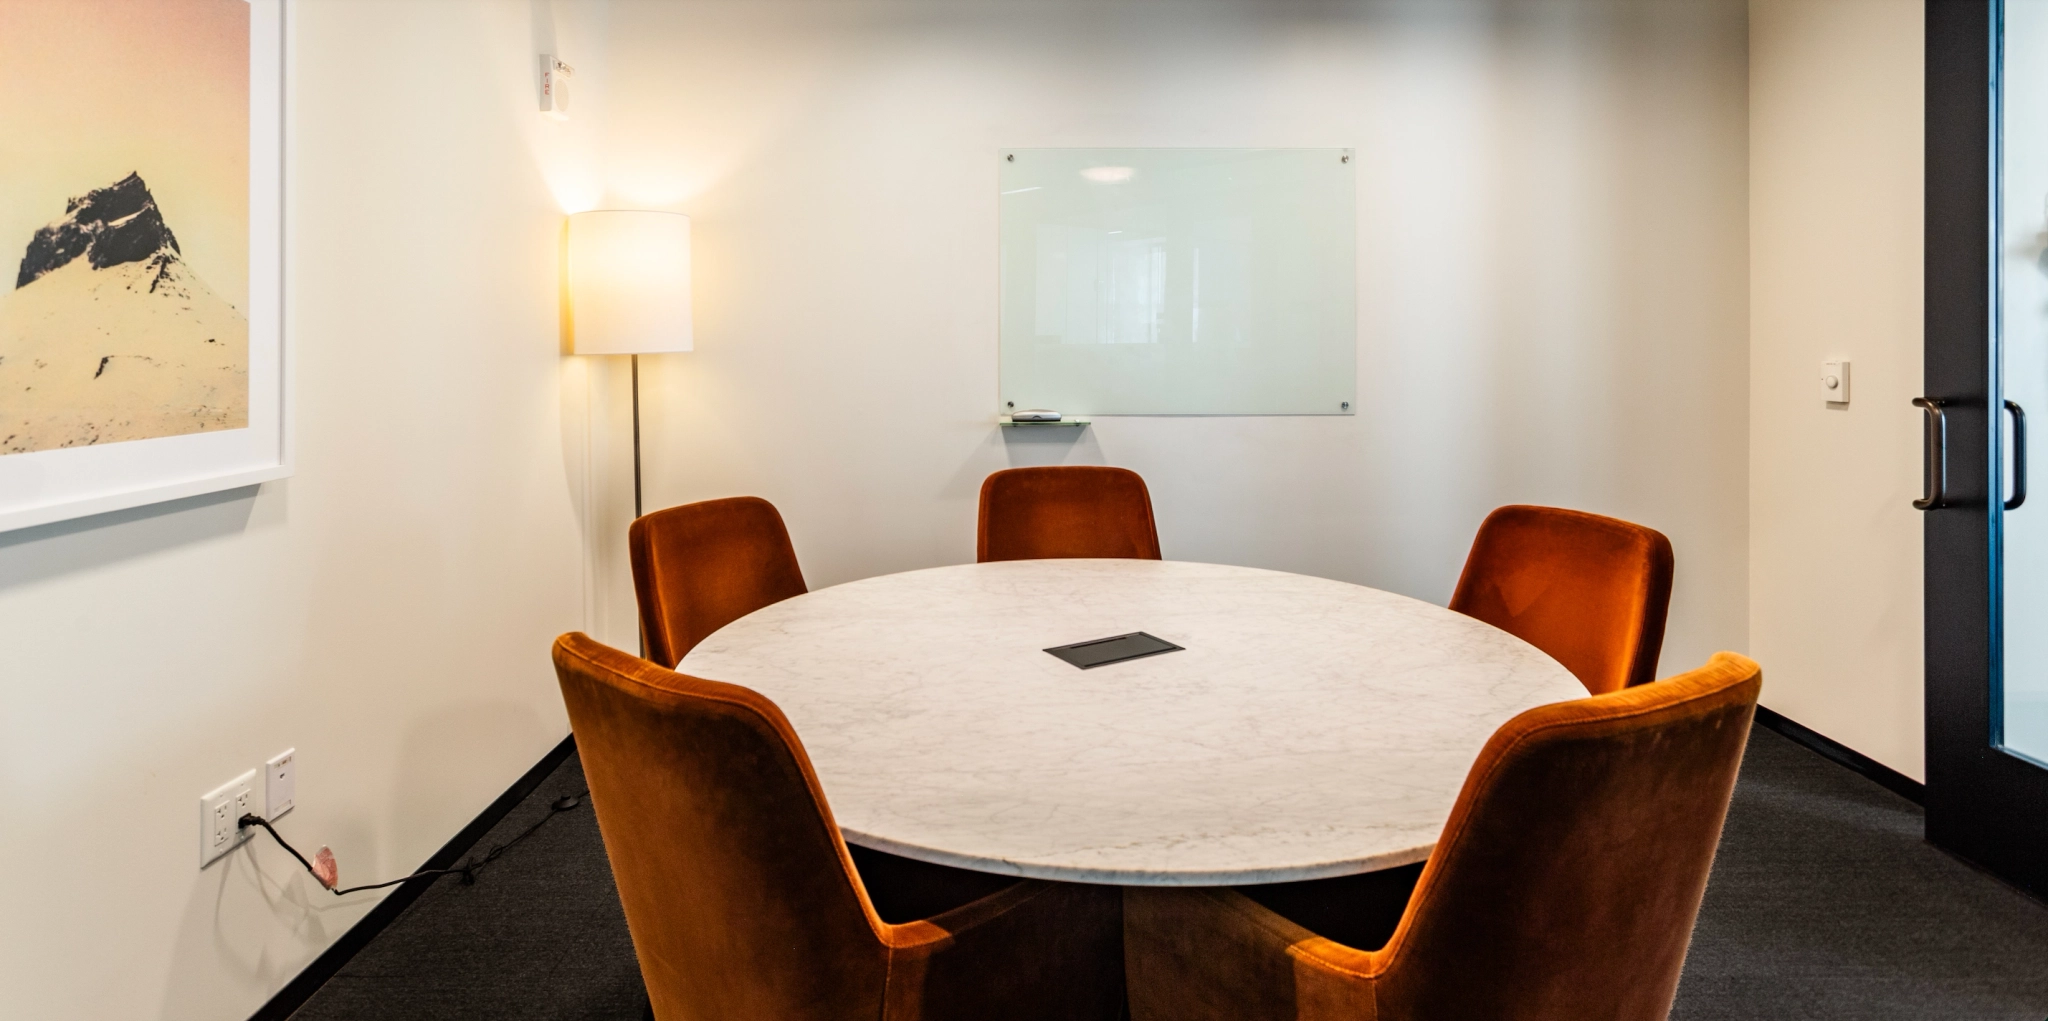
{"x": 1310, "y": 728}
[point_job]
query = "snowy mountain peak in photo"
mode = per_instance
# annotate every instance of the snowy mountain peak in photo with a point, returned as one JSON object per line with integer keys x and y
{"x": 108, "y": 335}
{"x": 109, "y": 226}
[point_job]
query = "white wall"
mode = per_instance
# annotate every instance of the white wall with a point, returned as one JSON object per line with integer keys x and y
{"x": 387, "y": 610}
{"x": 1835, "y": 258}
{"x": 1552, "y": 276}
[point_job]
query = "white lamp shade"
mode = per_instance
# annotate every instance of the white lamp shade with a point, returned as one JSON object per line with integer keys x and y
{"x": 629, "y": 282}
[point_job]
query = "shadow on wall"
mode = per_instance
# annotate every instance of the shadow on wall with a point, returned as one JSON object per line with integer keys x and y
{"x": 1029, "y": 447}
{"x": 1032, "y": 446}
{"x": 469, "y": 750}
{"x": 36, "y": 554}
{"x": 246, "y": 924}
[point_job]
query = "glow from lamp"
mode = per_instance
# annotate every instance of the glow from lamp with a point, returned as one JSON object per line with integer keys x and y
{"x": 628, "y": 282}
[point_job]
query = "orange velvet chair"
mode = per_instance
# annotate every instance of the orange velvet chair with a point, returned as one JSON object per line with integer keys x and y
{"x": 701, "y": 566}
{"x": 1066, "y": 511}
{"x": 1564, "y": 887}
{"x": 1591, "y": 591}
{"x": 743, "y": 902}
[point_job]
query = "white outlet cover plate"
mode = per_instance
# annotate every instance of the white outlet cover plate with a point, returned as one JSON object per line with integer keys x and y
{"x": 220, "y": 811}
{"x": 280, "y": 783}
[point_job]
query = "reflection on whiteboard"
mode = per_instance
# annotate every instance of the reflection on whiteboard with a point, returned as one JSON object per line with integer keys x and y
{"x": 1178, "y": 281}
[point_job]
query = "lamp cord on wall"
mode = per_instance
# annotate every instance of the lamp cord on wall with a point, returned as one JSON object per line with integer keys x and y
{"x": 467, "y": 872}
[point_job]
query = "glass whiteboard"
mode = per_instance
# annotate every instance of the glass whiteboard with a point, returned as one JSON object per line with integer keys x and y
{"x": 1179, "y": 281}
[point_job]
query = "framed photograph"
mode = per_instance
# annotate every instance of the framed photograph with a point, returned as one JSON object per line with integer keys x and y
{"x": 142, "y": 353}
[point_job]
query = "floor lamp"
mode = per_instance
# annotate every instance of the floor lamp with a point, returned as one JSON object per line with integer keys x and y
{"x": 629, "y": 292}
{"x": 627, "y": 285}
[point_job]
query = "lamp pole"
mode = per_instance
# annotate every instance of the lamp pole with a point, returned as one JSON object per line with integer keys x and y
{"x": 636, "y": 437}
{"x": 636, "y": 470}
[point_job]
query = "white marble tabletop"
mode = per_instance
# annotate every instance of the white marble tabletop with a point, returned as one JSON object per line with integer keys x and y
{"x": 1311, "y": 728}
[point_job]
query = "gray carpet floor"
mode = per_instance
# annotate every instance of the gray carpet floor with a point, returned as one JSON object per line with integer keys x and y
{"x": 1825, "y": 904}
{"x": 539, "y": 936}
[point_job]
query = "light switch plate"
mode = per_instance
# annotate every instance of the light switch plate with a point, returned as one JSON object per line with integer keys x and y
{"x": 220, "y": 814}
{"x": 280, "y": 783}
{"x": 1834, "y": 381}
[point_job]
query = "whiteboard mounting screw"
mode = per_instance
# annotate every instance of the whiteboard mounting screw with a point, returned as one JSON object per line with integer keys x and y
{"x": 1347, "y": 405}
{"x": 1345, "y": 159}
{"x": 1012, "y": 157}
{"x": 1009, "y": 404}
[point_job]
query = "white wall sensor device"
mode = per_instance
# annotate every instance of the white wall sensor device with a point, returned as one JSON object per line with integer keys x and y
{"x": 554, "y": 85}
{"x": 1834, "y": 381}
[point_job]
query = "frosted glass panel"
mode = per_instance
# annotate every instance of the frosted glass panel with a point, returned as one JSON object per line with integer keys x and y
{"x": 1179, "y": 281}
{"x": 2022, "y": 706}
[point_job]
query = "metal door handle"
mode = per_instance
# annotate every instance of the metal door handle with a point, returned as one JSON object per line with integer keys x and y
{"x": 1934, "y": 454}
{"x": 2019, "y": 457}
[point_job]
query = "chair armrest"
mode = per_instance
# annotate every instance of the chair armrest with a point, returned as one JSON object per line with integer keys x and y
{"x": 929, "y": 935}
{"x": 1030, "y": 951}
{"x": 1199, "y": 953}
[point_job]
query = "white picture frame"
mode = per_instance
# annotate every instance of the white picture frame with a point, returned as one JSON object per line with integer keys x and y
{"x": 44, "y": 486}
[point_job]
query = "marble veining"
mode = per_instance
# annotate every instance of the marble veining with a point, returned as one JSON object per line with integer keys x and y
{"x": 1311, "y": 728}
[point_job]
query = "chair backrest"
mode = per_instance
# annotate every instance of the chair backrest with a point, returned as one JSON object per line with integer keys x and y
{"x": 1566, "y": 882}
{"x": 1591, "y": 591}
{"x": 738, "y": 890}
{"x": 1066, "y": 511}
{"x": 701, "y": 566}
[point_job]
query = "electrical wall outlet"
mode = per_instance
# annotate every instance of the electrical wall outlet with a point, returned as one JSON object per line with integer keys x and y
{"x": 280, "y": 783}
{"x": 220, "y": 814}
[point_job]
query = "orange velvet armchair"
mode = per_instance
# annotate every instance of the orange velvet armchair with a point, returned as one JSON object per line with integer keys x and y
{"x": 1591, "y": 591}
{"x": 1066, "y": 511}
{"x": 743, "y": 902}
{"x": 1564, "y": 887}
{"x": 701, "y": 566}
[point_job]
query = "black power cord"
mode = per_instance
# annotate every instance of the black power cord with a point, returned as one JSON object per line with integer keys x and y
{"x": 467, "y": 872}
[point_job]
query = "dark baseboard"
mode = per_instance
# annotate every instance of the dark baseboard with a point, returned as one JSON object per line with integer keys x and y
{"x": 1885, "y": 776}
{"x": 302, "y": 987}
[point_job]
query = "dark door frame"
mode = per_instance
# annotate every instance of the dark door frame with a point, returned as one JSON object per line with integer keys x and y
{"x": 1984, "y": 805}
